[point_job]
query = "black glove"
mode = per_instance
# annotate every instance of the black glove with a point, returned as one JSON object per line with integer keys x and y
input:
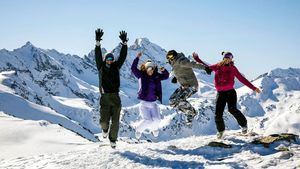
{"x": 174, "y": 80}
{"x": 99, "y": 33}
{"x": 208, "y": 70}
{"x": 123, "y": 36}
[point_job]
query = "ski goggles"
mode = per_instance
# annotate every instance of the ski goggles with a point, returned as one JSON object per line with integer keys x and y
{"x": 170, "y": 57}
{"x": 109, "y": 59}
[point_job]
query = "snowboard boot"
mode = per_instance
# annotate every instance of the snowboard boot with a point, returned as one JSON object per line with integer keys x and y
{"x": 113, "y": 144}
{"x": 220, "y": 135}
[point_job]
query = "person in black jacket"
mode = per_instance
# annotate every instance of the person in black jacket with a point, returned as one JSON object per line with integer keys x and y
{"x": 109, "y": 86}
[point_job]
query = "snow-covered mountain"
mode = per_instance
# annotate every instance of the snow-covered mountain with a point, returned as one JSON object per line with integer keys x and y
{"x": 47, "y": 86}
{"x": 68, "y": 83}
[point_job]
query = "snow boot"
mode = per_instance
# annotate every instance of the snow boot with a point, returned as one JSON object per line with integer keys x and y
{"x": 220, "y": 134}
{"x": 104, "y": 134}
{"x": 244, "y": 130}
{"x": 138, "y": 135}
{"x": 189, "y": 119}
{"x": 113, "y": 144}
{"x": 155, "y": 133}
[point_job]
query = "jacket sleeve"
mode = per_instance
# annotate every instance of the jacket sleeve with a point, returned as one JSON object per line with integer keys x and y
{"x": 164, "y": 75}
{"x": 123, "y": 55}
{"x": 197, "y": 59}
{"x": 98, "y": 57}
{"x": 213, "y": 67}
{"x": 242, "y": 79}
{"x": 137, "y": 73}
{"x": 190, "y": 64}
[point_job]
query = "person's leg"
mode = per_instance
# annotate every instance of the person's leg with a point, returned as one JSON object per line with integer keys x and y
{"x": 115, "y": 116}
{"x": 188, "y": 92}
{"x": 145, "y": 115}
{"x": 183, "y": 105}
{"x": 104, "y": 112}
{"x": 175, "y": 97}
{"x": 187, "y": 108}
{"x": 238, "y": 115}
{"x": 155, "y": 116}
{"x": 220, "y": 106}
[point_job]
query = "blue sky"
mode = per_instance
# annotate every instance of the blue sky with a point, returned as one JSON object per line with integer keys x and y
{"x": 262, "y": 34}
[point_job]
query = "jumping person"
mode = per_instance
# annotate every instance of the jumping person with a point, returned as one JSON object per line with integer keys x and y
{"x": 150, "y": 90}
{"x": 109, "y": 84}
{"x": 225, "y": 72}
{"x": 183, "y": 72}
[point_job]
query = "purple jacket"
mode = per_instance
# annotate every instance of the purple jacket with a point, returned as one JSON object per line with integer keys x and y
{"x": 144, "y": 80}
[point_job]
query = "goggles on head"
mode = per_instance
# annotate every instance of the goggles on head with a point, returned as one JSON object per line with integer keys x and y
{"x": 170, "y": 57}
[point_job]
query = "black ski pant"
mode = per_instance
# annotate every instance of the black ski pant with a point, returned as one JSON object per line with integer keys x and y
{"x": 230, "y": 98}
{"x": 110, "y": 108}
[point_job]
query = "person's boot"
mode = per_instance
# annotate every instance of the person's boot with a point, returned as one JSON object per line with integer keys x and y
{"x": 244, "y": 130}
{"x": 113, "y": 144}
{"x": 220, "y": 134}
{"x": 189, "y": 119}
{"x": 104, "y": 134}
{"x": 138, "y": 135}
{"x": 155, "y": 133}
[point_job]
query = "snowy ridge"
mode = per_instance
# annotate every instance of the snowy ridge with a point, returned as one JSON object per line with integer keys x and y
{"x": 61, "y": 89}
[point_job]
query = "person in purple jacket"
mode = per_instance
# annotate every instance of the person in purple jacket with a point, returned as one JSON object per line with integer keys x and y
{"x": 150, "y": 90}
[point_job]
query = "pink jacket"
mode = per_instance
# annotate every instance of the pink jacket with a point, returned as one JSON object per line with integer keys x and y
{"x": 224, "y": 77}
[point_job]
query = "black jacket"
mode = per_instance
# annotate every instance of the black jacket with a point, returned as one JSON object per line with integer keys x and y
{"x": 109, "y": 77}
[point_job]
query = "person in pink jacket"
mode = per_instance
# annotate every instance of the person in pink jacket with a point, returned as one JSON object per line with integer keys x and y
{"x": 225, "y": 73}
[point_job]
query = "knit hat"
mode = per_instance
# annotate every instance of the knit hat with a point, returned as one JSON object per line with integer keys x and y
{"x": 227, "y": 55}
{"x": 110, "y": 57}
{"x": 149, "y": 64}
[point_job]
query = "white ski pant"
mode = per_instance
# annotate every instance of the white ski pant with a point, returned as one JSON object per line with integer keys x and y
{"x": 149, "y": 111}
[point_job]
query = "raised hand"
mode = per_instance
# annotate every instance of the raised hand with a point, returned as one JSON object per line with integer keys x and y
{"x": 123, "y": 36}
{"x": 139, "y": 54}
{"x": 195, "y": 55}
{"x": 99, "y": 33}
{"x": 257, "y": 90}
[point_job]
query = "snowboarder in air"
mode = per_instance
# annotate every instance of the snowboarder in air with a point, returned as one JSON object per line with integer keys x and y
{"x": 183, "y": 72}
{"x": 150, "y": 90}
{"x": 109, "y": 84}
{"x": 225, "y": 72}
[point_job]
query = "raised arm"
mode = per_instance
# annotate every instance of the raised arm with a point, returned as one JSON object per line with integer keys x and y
{"x": 137, "y": 73}
{"x": 164, "y": 75}
{"x": 123, "y": 52}
{"x": 98, "y": 53}
{"x": 213, "y": 67}
{"x": 197, "y": 59}
{"x": 242, "y": 79}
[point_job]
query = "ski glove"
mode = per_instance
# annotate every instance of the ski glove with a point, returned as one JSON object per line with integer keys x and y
{"x": 123, "y": 37}
{"x": 174, "y": 80}
{"x": 99, "y": 33}
{"x": 208, "y": 70}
